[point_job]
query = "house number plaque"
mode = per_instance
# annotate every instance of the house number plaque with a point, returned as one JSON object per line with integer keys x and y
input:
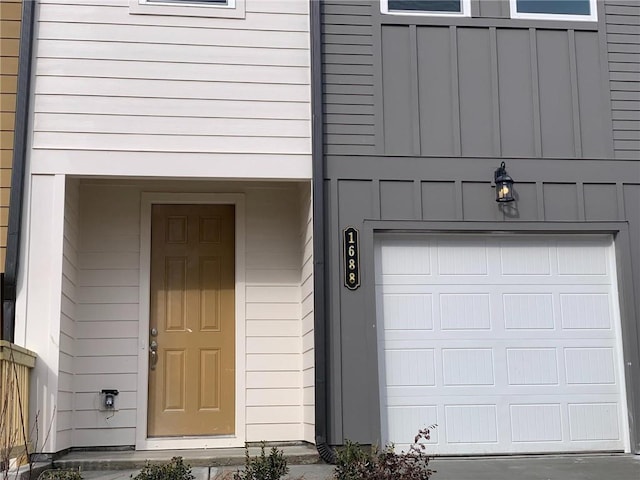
{"x": 351, "y": 258}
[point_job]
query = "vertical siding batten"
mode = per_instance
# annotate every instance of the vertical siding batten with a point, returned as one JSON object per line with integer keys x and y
{"x": 575, "y": 100}
{"x": 455, "y": 92}
{"x": 415, "y": 81}
{"x": 495, "y": 92}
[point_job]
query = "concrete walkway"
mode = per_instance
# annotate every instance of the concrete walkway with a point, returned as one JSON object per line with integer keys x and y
{"x": 569, "y": 467}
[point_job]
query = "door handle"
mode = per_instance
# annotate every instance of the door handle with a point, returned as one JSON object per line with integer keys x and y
{"x": 153, "y": 352}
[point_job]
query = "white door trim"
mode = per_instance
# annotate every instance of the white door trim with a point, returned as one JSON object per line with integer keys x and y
{"x": 238, "y": 439}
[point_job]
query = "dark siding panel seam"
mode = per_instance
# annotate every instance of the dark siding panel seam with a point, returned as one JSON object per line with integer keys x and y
{"x": 495, "y": 92}
{"x": 535, "y": 87}
{"x": 415, "y": 106}
{"x": 573, "y": 69}
{"x": 455, "y": 93}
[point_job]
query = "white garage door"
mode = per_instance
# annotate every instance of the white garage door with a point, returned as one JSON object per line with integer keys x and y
{"x": 509, "y": 344}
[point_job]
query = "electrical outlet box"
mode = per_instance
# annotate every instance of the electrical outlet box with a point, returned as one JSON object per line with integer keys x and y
{"x": 108, "y": 398}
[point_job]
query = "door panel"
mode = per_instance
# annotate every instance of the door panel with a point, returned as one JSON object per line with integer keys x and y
{"x": 192, "y": 376}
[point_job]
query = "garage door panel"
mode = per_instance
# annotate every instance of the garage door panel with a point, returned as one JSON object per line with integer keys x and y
{"x": 517, "y": 394}
{"x": 407, "y": 258}
{"x": 519, "y": 361}
{"x": 524, "y": 259}
{"x": 588, "y": 260}
{"x": 502, "y": 280}
{"x": 501, "y": 337}
{"x": 468, "y": 366}
{"x": 594, "y": 421}
{"x": 536, "y": 423}
{"x": 514, "y": 358}
{"x": 414, "y": 367}
{"x": 401, "y": 417}
{"x": 586, "y": 310}
{"x": 486, "y": 396}
{"x": 465, "y": 311}
{"x": 590, "y": 366}
{"x": 528, "y": 311}
{"x": 471, "y": 423}
{"x": 462, "y": 258}
{"x": 408, "y": 311}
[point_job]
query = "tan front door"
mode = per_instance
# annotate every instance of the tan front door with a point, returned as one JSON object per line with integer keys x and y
{"x": 192, "y": 321}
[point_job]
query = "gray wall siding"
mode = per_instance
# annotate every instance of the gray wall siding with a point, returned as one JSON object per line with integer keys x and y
{"x": 492, "y": 92}
{"x": 403, "y": 85}
{"x": 419, "y": 113}
{"x": 623, "y": 45}
{"x": 348, "y": 77}
{"x": 396, "y": 189}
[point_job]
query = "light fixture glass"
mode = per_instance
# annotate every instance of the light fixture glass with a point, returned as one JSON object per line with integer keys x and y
{"x": 504, "y": 185}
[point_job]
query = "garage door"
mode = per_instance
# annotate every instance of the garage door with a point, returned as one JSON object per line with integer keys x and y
{"x": 508, "y": 344}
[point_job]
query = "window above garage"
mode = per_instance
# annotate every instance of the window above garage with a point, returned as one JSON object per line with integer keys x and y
{"x": 426, "y": 7}
{"x": 581, "y": 10}
{"x": 567, "y": 10}
{"x": 189, "y": 8}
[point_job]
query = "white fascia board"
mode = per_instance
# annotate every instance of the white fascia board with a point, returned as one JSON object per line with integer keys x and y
{"x": 172, "y": 164}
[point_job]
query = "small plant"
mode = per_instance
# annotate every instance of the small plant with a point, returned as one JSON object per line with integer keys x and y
{"x": 263, "y": 467}
{"x": 60, "y": 475}
{"x": 357, "y": 463}
{"x": 176, "y": 469}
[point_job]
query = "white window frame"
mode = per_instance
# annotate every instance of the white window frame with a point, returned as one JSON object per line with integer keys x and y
{"x": 232, "y": 9}
{"x": 465, "y": 5}
{"x": 593, "y": 17}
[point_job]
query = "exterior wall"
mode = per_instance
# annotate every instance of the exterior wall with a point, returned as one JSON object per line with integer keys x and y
{"x": 154, "y": 94}
{"x": 106, "y": 346}
{"x": 623, "y": 47}
{"x": 306, "y": 303}
{"x": 419, "y": 112}
{"x": 67, "y": 366}
{"x": 511, "y": 89}
{"x": 38, "y": 322}
{"x": 10, "y": 17}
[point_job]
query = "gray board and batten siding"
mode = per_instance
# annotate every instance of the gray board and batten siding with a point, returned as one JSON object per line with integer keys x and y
{"x": 419, "y": 112}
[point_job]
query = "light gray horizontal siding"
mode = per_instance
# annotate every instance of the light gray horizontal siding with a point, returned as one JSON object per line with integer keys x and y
{"x": 108, "y": 79}
{"x": 623, "y": 45}
{"x": 348, "y": 77}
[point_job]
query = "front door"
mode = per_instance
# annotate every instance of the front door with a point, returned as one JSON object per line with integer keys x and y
{"x": 192, "y": 321}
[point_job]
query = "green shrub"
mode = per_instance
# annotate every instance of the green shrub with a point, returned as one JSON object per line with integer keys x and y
{"x": 357, "y": 463}
{"x": 174, "y": 470}
{"x": 60, "y": 475}
{"x": 263, "y": 467}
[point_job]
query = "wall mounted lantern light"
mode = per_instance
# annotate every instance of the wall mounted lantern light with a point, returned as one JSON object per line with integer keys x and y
{"x": 504, "y": 185}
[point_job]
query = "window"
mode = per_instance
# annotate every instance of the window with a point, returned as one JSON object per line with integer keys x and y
{"x": 554, "y": 9}
{"x": 189, "y": 8}
{"x": 426, "y": 7}
{"x": 571, "y": 10}
{"x": 216, "y": 2}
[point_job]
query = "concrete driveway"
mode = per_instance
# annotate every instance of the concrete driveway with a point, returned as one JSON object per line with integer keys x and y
{"x": 569, "y": 467}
